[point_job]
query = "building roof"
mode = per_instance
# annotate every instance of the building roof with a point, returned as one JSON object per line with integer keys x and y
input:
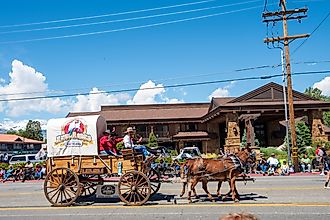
{"x": 176, "y": 112}
{"x": 12, "y": 138}
{"x": 267, "y": 97}
{"x": 192, "y": 135}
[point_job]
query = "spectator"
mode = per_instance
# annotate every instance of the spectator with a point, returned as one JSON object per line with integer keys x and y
{"x": 284, "y": 169}
{"x": 162, "y": 166}
{"x": 2, "y": 173}
{"x": 262, "y": 165}
{"x": 43, "y": 170}
{"x": 273, "y": 164}
{"x": 320, "y": 158}
{"x": 38, "y": 173}
{"x": 5, "y": 158}
{"x": 9, "y": 173}
{"x": 28, "y": 171}
{"x": 326, "y": 185}
{"x": 306, "y": 164}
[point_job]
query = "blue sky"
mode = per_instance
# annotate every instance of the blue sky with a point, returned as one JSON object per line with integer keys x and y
{"x": 115, "y": 60}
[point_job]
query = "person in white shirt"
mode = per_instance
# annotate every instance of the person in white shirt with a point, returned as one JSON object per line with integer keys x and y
{"x": 273, "y": 163}
{"x": 128, "y": 143}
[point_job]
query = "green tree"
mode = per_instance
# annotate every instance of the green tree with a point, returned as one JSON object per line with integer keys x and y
{"x": 33, "y": 130}
{"x": 317, "y": 94}
{"x": 304, "y": 137}
{"x": 152, "y": 142}
{"x": 12, "y": 131}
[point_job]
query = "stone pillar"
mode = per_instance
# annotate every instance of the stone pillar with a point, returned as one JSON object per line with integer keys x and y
{"x": 213, "y": 145}
{"x": 233, "y": 139}
{"x": 318, "y": 134}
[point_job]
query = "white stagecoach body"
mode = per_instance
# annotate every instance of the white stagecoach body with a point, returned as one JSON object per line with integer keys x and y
{"x": 74, "y": 136}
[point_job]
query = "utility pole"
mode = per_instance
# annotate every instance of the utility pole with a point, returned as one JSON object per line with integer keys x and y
{"x": 284, "y": 15}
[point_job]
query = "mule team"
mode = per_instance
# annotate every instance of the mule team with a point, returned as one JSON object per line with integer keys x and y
{"x": 227, "y": 168}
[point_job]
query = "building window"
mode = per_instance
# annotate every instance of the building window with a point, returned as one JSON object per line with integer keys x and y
{"x": 161, "y": 130}
{"x": 3, "y": 147}
{"x": 191, "y": 127}
{"x": 17, "y": 146}
{"x": 142, "y": 131}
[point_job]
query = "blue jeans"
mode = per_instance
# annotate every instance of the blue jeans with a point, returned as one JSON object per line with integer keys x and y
{"x": 107, "y": 152}
{"x": 142, "y": 149}
{"x": 263, "y": 168}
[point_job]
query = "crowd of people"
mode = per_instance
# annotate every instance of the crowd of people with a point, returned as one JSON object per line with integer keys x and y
{"x": 273, "y": 166}
{"x": 23, "y": 173}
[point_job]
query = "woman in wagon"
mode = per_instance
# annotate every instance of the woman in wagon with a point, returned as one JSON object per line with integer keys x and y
{"x": 107, "y": 145}
{"x": 128, "y": 143}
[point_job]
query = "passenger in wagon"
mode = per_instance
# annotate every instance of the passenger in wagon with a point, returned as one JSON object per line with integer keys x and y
{"x": 107, "y": 145}
{"x": 128, "y": 143}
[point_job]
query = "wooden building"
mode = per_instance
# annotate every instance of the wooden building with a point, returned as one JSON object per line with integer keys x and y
{"x": 218, "y": 125}
{"x": 14, "y": 144}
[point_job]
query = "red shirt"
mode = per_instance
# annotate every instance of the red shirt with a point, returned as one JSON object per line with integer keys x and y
{"x": 106, "y": 144}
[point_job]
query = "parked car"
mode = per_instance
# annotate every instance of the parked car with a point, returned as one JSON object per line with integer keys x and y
{"x": 188, "y": 153}
{"x": 24, "y": 158}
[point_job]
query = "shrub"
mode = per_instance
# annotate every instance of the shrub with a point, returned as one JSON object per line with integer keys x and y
{"x": 279, "y": 153}
{"x": 152, "y": 142}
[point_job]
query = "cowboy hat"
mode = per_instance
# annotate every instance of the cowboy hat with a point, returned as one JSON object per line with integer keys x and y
{"x": 129, "y": 130}
{"x": 106, "y": 132}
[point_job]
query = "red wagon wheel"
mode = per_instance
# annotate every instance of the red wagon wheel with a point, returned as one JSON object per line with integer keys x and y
{"x": 62, "y": 187}
{"x": 134, "y": 188}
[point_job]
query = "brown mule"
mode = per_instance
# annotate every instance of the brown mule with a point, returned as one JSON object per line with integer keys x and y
{"x": 204, "y": 170}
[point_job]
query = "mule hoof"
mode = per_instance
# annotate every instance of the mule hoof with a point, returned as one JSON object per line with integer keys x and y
{"x": 181, "y": 195}
{"x": 236, "y": 201}
{"x": 189, "y": 201}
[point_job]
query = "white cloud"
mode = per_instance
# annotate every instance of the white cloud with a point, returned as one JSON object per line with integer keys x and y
{"x": 152, "y": 93}
{"x": 323, "y": 85}
{"x": 8, "y": 124}
{"x": 221, "y": 92}
{"x": 25, "y": 79}
{"x": 96, "y": 98}
{"x": 2, "y": 80}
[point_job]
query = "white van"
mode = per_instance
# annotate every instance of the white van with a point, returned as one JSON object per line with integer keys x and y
{"x": 24, "y": 158}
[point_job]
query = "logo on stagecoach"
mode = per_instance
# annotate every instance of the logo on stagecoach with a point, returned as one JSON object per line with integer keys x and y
{"x": 74, "y": 134}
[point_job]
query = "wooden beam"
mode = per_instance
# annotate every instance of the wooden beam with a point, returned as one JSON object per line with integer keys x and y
{"x": 269, "y": 40}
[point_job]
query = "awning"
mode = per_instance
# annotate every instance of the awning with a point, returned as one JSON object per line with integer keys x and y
{"x": 304, "y": 119}
{"x": 192, "y": 136}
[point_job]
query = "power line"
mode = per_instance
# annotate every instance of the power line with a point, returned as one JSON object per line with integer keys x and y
{"x": 315, "y": 29}
{"x": 106, "y": 15}
{"x": 169, "y": 79}
{"x": 128, "y": 19}
{"x": 264, "y": 77}
{"x": 130, "y": 28}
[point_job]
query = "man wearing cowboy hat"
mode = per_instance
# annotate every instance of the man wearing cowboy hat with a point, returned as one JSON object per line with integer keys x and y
{"x": 128, "y": 143}
{"x": 273, "y": 163}
{"x": 107, "y": 145}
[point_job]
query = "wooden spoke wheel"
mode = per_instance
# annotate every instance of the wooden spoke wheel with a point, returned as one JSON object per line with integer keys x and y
{"x": 62, "y": 187}
{"x": 90, "y": 183}
{"x": 134, "y": 188}
{"x": 154, "y": 178}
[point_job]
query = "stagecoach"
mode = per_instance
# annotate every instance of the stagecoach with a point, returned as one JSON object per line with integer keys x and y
{"x": 75, "y": 170}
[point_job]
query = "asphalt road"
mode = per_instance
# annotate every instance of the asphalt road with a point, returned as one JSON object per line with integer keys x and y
{"x": 294, "y": 197}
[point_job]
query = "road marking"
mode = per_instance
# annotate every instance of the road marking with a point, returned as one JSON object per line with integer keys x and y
{"x": 4, "y": 194}
{"x": 172, "y": 205}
